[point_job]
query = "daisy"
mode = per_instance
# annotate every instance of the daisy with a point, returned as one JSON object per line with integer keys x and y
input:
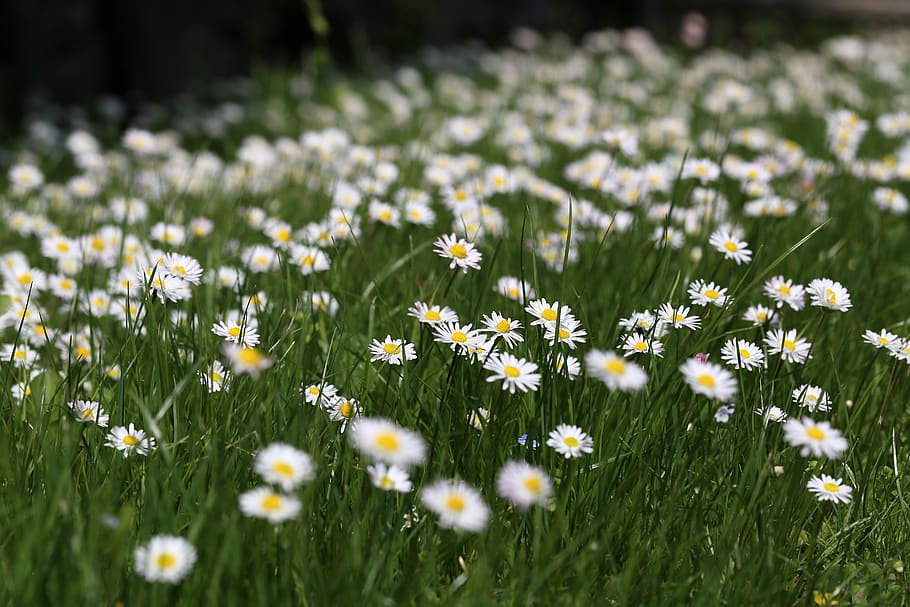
{"x": 817, "y": 438}
{"x": 318, "y": 394}
{"x": 514, "y": 372}
{"x": 888, "y": 199}
{"x": 247, "y": 360}
{"x": 263, "y": 502}
{"x": 524, "y": 485}
{"x": 725, "y": 241}
{"x": 701, "y": 169}
{"x": 216, "y": 378}
{"x": 782, "y": 291}
{"x": 772, "y": 414}
{"x": 432, "y": 315}
{"x": 760, "y": 315}
{"x": 164, "y": 558}
{"x": 386, "y": 442}
{"x": 505, "y": 328}
{"x": 309, "y": 259}
{"x": 392, "y": 351}
{"x": 569, "y": 333}
{"x": 460, "y": 251}
{"x": 785, "y": 343}
{"x": 284, "y": 465}
{"x": 639, "y": 343}
{"x": 343, "y": 409}
{"x": 827, "y": 293}
{"x": 514, "y": 289}
{"x": 829, "y": 489}
{"x": 546, "y": 314}
{"x": 183, "y": 267}
{"x": 237, "y": 331}
{"x": 812, "y": 398}
{"x": 614, "y": 371}
{"x": 458, "y": 337}
{"x": 709, "y": 379}
{"x": 678, "y": 317}
{"x": 390, "y": 478}
{"x": 703, "y": 293}
{"x": 742, "y": 354}
{"x": 882, "y": 339}
{"x": 566, "y": 365}
{"x": 130, "y": 440}
{"x": 89, "y": 411}
{"x": 457, "y": 504}
{"x": 570, "y": 441}
{"x": 638, "y": 320}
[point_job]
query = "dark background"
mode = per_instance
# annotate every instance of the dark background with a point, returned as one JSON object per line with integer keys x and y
{"x": 73, "y": 51}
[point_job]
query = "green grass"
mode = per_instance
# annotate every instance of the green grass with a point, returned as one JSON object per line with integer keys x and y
{"x": 671, "y": 508}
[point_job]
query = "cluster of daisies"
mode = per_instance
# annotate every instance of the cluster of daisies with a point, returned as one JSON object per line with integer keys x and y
{"x": 625, "y": 151}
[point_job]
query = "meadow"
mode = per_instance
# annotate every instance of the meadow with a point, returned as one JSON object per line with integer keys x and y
{"x": 555, "y": 324}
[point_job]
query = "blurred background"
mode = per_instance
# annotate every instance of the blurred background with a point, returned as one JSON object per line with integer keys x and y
{"x": 76, "y": 51}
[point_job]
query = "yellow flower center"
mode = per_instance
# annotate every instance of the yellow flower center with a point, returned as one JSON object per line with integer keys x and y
{"x": 178, "y": 269}
{"x": 641, "y": 346}
{"x": 63, "y": 247}
{"x": 731, "y": 246}
{"x": 884, "y": 341}
{"x": 19, "y": 355}
{"x": 308, "y": 260}
{"x": 784, "y": 289}
{"x": 712, "y": 294}
{"x": 571, "y": 441}
{"x": 283, "y": 235}
{"x": 347, "y": 410}
{"x": 563, "y": 334}
{"x": 387, "y": 441}
{"x": 533, "y": 484}
{"x": 234, "y": 331}
{"x": 706, "y": 380}
{"x": 458, "y": 250}
{"x": 216, "y": 378}
{"x": 762, "y": 316}
{"x": 616, "y": 367}
{"x": 815, "y": 433}
{"x": 272, "y": 501}
{"x": 83, "y": 352}
{"x": 87, "y": 413}
{"x": 503, "y": 326}
{"x": 250, "y": 356}
{"x": 432, "y": 315}
{"x": 386, "y": 482}
{"x": 830, "y": 296}
{"x": 831, "y": 487}
{"x": 511, "y": 371}
{"x": 165, "y": 560}
{"x": 392, "y": 349}
{"x": 459, "y": 336}
{"x": 790, "y": 345}
{"x": 744, "y": 353}
{"x": 24, "y": 279}
{"x": 130, "y": 441}
{"x": 549, "y": 314}
{"x": 455, "y": 502}
{"x": 283, "y": 468}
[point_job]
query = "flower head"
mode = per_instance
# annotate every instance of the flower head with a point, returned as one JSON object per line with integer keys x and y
{"x": 817, "y": 438}
{"x": 462, "y": 253}
{"x": 570, "y": 441}
{"x": 284, "y": 465}
{"x": 457, "y": 504}
{"x": 524, "y": 485}
{"x": 164, "y": 558}
{"x": 386, "y": 442}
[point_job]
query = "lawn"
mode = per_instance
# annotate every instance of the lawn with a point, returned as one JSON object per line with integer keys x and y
{"x": 557, "y": 324}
